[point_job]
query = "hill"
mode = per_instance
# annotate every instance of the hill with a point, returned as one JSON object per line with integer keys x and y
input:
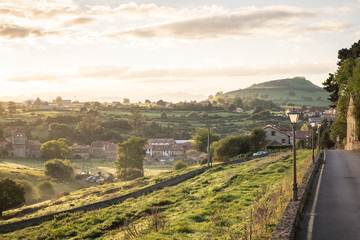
{"x": 298, "y": 91}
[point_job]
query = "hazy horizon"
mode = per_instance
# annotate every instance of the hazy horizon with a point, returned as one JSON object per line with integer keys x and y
{"x": 172, "y": 50}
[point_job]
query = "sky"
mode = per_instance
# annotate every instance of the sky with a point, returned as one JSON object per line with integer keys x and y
{"x": 107, "y": 50}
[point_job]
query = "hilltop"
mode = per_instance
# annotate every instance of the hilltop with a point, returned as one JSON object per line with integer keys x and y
{"x": 298, "y": 91}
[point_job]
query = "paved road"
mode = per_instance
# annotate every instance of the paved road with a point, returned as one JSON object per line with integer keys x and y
{"x": 334, "y": 213}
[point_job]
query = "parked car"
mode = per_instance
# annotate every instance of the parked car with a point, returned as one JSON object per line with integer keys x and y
{"x": 259, "y": 153}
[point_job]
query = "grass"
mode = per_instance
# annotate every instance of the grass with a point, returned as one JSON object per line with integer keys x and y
{"x": 243, "y": 201}
{"x": 96, "y": 193}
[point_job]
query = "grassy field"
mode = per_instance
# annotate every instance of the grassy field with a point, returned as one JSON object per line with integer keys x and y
{"x": 242, "y": 201}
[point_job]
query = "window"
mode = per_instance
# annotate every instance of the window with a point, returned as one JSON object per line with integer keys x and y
{"x": 273, "y": 133}
{"x": 283, "y": 140}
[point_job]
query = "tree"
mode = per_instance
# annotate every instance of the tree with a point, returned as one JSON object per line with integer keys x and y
{"x": 126, "y": 100}
{"x": 11, "y": 107}
{"x": 231, "y": 146}
{"x": 87, "y": 130}
{"x": 58, "y": 101}
{"x": 55, "y": 149}
{"x": 2, "y": 109}
{"x": 201, "y": 138}
{"x": 147, "y": 101}
{"x": 257, "y": 139}
{"x": 342, "y": 83}
{"x": 59, "y": 169}
{"x": 137, "y": 122}
{"x": 304, "y": 127}
{"x": 37, "y": 101}
{"x": 161, "y": 103}
{"x": 300, "y": 144}
{"x": 46, "y": 190}
{"x": 179, "y": 165}
{"x": 11, "y": 194}
{"x": 60, "y": 130}
{"x": 163, "y": 115}
{"x": 131, "y": 154}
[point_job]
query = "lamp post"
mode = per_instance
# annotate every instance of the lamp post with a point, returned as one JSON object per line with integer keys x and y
{"x": 312, "y": 142}
{"x": 208, "y": 147}
{"x": 319, "y": 129}
{"x": 294, "y": 117}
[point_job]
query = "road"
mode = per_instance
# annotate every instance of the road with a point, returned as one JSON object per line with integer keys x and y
{"x": 333, "y": 211}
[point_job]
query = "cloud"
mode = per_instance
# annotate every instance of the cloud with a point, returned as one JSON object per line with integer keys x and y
{"x": 78, "y": 21}
{"x": 241, "y": 23}
{"x": 161, "y": 75}
{"x": 15, "y": 31}
{"x": 40, "y": 77}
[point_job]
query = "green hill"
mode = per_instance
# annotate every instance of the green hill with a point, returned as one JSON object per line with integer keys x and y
{"x": 298, "y": 91}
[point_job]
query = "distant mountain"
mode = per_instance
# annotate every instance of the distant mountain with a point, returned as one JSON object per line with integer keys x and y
{"x": 296, "y": 90}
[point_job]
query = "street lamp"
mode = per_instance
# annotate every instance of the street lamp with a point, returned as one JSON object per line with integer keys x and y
{"x": 294, "y": 117}
{"x": 313, "y": 124}
{"x": 208, "y": 143}
{"x": 319, "y": 129}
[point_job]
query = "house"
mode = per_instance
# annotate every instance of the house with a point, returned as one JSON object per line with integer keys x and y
{"x": 276, "y": 135}
{"x": 103, "y": 149}
{"x": 239, "y": 110}
{"x": 21, "y": 146}
{"x": 304, "y": 135}
{"x": 18, "y": 140}
{"x": 33, "y": 149}
{"x": 167, "y": 148}
{"x": 352, "y": 139}
{"x": 80, "y": 151}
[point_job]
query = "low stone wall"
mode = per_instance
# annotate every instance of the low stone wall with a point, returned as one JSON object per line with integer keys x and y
{"x": 106, "y": 203}
{"x": 285, "y": 229}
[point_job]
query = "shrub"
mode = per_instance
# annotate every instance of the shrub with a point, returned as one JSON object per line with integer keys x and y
{"x": 127, "y": 174}
{"x": 46, "y": 190}
{"x": 179, "y": 165}
{"x": 30, "y": 192}
{"x": 60, "y": 169}
{"x": 12, "y": 194}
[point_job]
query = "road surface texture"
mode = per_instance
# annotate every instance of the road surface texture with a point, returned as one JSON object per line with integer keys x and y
{"x": 333, "y": 211}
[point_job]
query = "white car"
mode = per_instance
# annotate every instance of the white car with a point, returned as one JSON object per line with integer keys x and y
{"x": 259, "y": 153}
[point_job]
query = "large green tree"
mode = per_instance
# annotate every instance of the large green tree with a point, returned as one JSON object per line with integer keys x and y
{"x": 344, "y": 82}
{"x": 232, "y": 146}
{"x": 131, "y": 153}
{"x": 257, "y": 139}
{"x": 11, "y": 194}
{"x": 55, "y": 149}
{"x": 201, "y": 138}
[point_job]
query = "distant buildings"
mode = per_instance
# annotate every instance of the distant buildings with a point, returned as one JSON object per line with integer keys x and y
{"x": 17, "y": 144}
{"x": 166, "y": 148}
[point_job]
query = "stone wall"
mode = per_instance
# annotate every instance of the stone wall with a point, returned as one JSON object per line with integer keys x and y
{"x": 103, "y": 204}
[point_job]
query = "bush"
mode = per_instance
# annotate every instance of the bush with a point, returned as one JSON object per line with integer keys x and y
{"x": 46, "y": 190}
{"x": 30, "y": 192}
{"x": 127, "y": 174}
{"x": 12, "y": 194}
{"x": 59, "y": 169}
{"x": 179, "y": 165}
